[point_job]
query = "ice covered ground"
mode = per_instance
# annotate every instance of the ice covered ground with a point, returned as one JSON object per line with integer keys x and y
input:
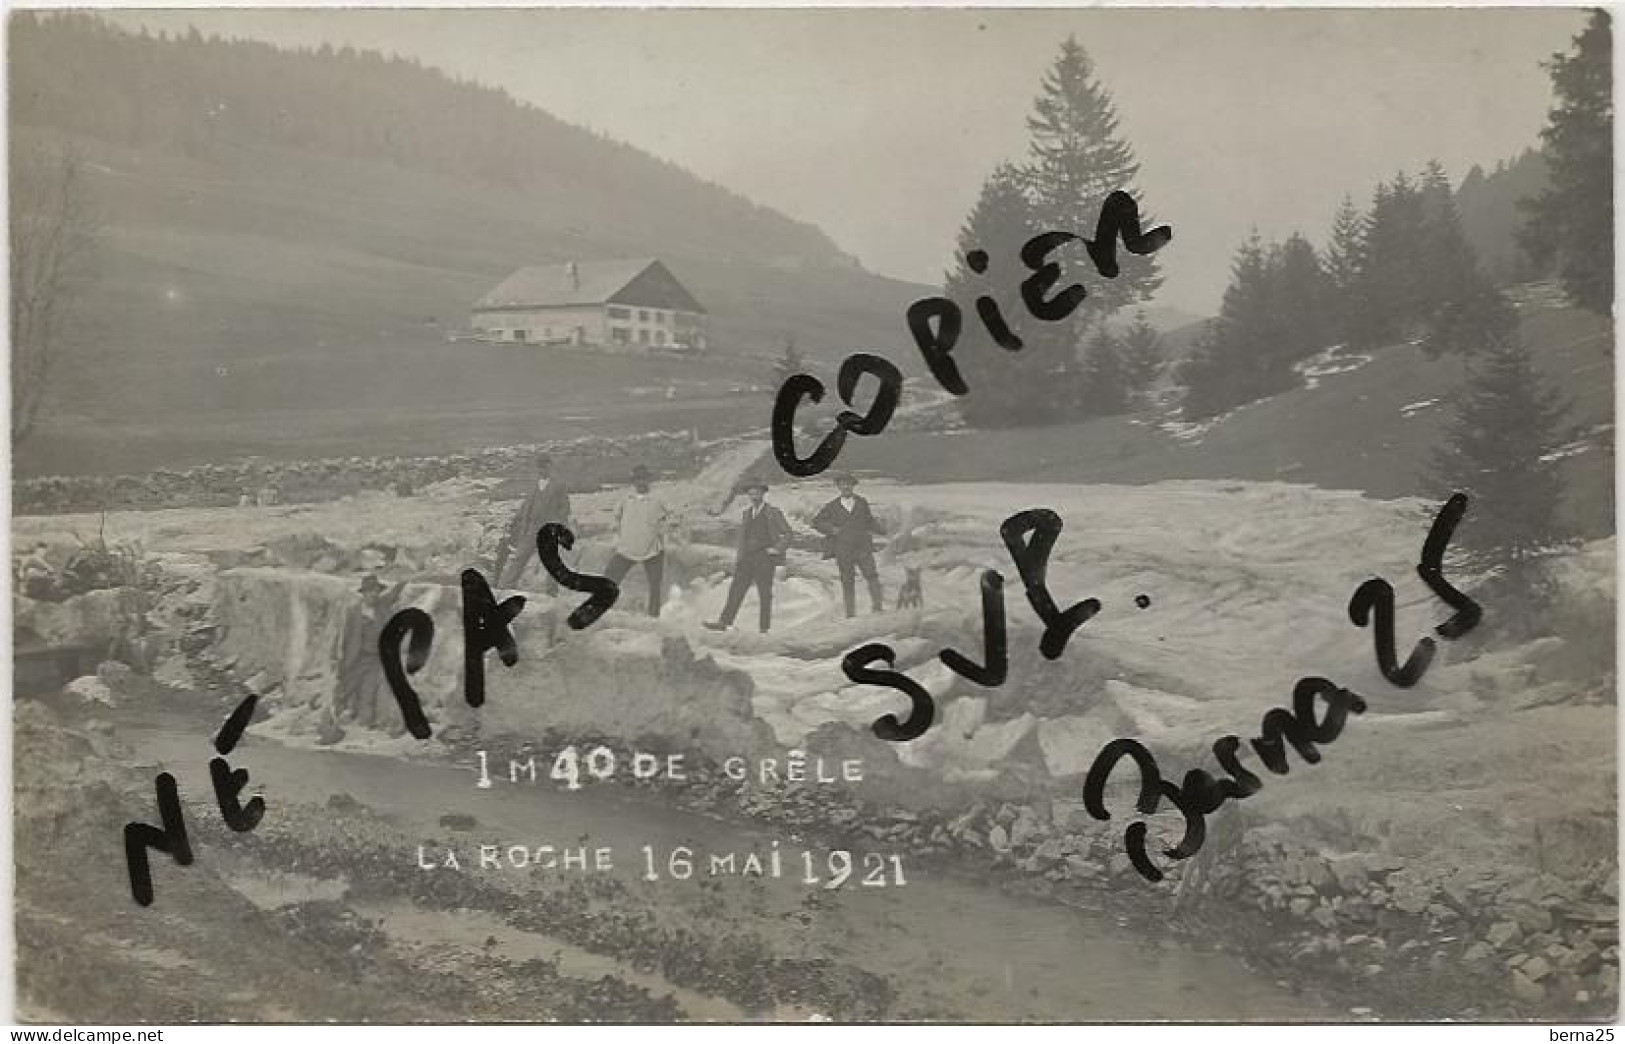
{"x": 1247, "y": 584}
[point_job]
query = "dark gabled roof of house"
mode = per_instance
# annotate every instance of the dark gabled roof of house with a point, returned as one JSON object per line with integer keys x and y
{"x": 551, "y": 286}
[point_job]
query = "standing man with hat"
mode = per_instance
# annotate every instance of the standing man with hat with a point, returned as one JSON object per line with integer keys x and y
{"x": 364, "y": 692}
{"x": 547, "y": 501}
{"x": 640, "y": 537}
{"x": 848, "y": 527}
{"x": 764, "y": 537}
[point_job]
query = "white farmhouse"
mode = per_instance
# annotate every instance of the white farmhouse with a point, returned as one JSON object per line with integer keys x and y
{"x": 635, "y": 304}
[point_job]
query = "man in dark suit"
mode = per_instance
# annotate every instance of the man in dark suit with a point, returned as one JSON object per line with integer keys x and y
{"x": 364, "y": 695}
{"x": 547, "y": 501}
{"x": 849, "y": 527}
{"x": 764, "y": 536}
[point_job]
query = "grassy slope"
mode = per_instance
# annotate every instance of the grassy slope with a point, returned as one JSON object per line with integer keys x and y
{"x": 1347, "y": 433}
{"x": 288, "y": 304}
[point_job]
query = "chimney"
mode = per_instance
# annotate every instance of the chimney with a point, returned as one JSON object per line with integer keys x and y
{"x": 574, "y": 275}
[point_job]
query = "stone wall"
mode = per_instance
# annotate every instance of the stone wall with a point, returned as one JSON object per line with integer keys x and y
{"x": 583, "y": 463}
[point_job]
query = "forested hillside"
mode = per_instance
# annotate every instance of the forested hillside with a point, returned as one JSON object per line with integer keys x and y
{"x": 199, "y": 98}
{"x": 275, "y": 234}
{"x": 1491, "y": 217}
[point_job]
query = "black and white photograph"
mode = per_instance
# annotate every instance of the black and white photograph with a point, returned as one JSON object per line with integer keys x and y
{"x": 812, "y": 515}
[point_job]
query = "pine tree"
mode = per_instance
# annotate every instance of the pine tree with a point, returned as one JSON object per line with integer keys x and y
{"x": 1238, "y": 358}
{"x": 1142, "y": 354}
{"x": 1477, "y": 319}
{"x": 1461, "y": 311}
{"x": 1391, "y": 295}
{"x": 1104, "y": 377}
{"x": 1571, "y": 224}
{"x": 1077, "y": 158}
{"x": 1343, "y": 261}
{"x": 1210, "y": 387}
{"x": 1448, "y": 265}
{"x": 1007, "y": 389}
{"x": 1506, "y": 423}
{"x": 1305, "y": 301}
{"x": 1371, "y": 318}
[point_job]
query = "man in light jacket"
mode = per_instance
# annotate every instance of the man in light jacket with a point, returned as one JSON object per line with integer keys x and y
{"x": 640, "y": 537}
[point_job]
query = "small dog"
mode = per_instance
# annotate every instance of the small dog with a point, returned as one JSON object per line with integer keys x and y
{"x": 909, "y": 595}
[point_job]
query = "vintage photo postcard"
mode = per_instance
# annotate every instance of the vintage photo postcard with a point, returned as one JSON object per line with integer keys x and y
{"x": 782, "y": 516}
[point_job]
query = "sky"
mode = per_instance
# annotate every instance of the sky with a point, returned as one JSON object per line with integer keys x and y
{"x": 879, "y": 126}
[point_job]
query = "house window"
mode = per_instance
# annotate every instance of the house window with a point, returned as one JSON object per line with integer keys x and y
{"x": 619, "y": 313}
{"x": 519, "y": 335}
{"x": 620, "y": 335}
{"x": 660, "y": 337}
{"x": 643, "y": 316}
{"x": 643, "y": 337}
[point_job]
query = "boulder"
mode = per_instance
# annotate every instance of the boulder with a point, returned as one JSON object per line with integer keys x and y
{"x": 1070, "y": 744}
{"x": 1457, "y": 893}
{"x": 962, "y": 717}
{"x": 1526, "y": 990}
{"x": 1535, "y": 968}
{"x": 328, "y": 730}
{"x": 1350, "y": 871}
{"x": 1582, "y": 958}
{"x": 175, "y": 672}
{"x": 1410, "y": 902}
{"x": 1079, "y": 867}
{"x": 1025, "y": 830}
{"x": 119, "y": 678}
{"x": 994, "y": 741}
{"x": 91, "y": 689}
{"x": 1530, "y": 917}
{"x": 1503, "y": 934}
{"x": 92, "y": 618}
{"x": 1165, "y": 720}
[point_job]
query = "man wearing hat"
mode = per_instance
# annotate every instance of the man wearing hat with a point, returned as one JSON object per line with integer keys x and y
{"x": 547, "y": 501}
{"x": 640, "y": 536}
{"x": 848, "y": 527}
{"x": 364, "y": 694}
{"x": 764, "y": 537}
